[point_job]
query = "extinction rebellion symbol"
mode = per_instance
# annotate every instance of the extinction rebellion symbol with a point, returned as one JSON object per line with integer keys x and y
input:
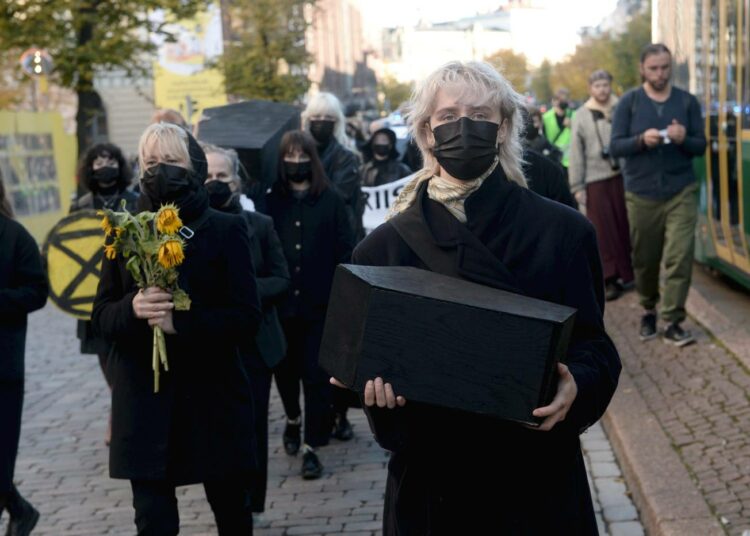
{"x": 73, "y": 257}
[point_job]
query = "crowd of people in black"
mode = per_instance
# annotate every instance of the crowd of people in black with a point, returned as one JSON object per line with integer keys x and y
{"x": 260, "y": 283}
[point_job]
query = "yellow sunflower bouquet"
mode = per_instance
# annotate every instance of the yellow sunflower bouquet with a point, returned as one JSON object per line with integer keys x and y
{"x": 152, "y": 244}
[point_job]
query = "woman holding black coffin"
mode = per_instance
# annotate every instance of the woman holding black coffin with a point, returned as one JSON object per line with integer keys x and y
{"x": 454, "y": 472}
{"x": 263, "y": 351}
{"x": 316, "y": 235}
{"x": 198, "y": 428}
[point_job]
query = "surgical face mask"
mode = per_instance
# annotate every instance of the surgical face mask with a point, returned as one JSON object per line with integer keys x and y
{"x": 381, "y": 149}
{"x": 165, "y": 183}
{"x": 219, "y": 193}
{"x": 322, "y": 130}
{"x": 466, "y": 148}
{"x": 298, "y": 171}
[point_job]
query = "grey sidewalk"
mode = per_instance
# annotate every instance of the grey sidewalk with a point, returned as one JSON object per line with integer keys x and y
{"x": 62, "y": 465}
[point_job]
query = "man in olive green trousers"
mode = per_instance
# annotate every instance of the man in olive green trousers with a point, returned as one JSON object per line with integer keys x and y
{"x": 658, "y": 129}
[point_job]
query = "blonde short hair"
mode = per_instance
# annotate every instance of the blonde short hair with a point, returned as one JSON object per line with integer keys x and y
{"x": 470, "y": 78}
{"x": 168, "y": 140}
{"x": 327, "y": 104}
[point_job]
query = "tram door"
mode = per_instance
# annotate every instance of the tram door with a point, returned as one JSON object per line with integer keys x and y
{"x": 726, "y": 37}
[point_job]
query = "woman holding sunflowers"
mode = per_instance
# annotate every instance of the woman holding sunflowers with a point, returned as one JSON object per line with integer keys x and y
{"x": 198, "y": 427}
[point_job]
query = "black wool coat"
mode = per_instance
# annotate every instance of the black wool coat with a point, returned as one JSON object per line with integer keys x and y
{"x": 342, "y": 168}
{"x": 453, "y": 472}
{"x": 23, "y": 289}
{"x": 547, "y": 178}
{"x": 316, "y": 236}
{"x": 272, "y": 279}
{"x": 199, "y": 426}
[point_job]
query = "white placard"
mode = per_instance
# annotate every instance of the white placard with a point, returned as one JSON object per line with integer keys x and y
{"x": 378, "y": 200}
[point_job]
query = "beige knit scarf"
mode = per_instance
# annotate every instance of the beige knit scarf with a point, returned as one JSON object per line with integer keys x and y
{"x": 451, "y": 196}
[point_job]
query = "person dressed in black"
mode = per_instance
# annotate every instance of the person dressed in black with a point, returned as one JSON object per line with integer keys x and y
{"x": 467, "y": 214}
{"x": 383, "y": 165}
{"x": 199, "y": 427}
{"x": 316, "y": 236}
{"x": 23, "y": 289}
{"x": 536, "y": 140}
{"x": 264, "y": 351}
{"x": 105, "y": 173}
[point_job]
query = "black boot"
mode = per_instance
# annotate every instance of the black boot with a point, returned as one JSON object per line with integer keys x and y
{"x": 23, "y": 516}
{"x": 291, "y": 437}
{"x": 342, "y": 428}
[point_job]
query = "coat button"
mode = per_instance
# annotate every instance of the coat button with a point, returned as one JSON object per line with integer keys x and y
{"x": 298, "y": 247}
{"x": 297, "y": 269}
{"x": 297, "y": 223}
{"x": 296, "y": 292}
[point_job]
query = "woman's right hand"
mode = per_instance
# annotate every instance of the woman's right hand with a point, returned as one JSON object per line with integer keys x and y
{"x": 377, "y": 393}
{"x": 152, "y": 302}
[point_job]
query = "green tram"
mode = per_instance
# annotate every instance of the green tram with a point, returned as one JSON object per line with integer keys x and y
{"x": 710, "y": 41}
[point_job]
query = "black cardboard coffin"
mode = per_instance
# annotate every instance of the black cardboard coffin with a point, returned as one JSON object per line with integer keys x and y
{"x": 444, "y": 341}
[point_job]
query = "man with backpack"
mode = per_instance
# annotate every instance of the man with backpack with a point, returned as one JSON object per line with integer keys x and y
{"x": 658, "y": 130}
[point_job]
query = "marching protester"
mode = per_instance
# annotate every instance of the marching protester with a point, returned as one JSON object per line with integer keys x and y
{"x": 105, "y": 173}
{"x": 198, "y": 428}
{"x": 316, "y": 235}
{"x": 453, "y": 472}
{"x": 264, "y": 351}
{"x": 658, "y": 130}
{"x": 535, "y": 138}
{"x": 557, "y": 122}
{"x": 383, "y": 165}
{"x": 596, "y": 181}
{"x": 23, "y": 289}
{"x": 324, "y": 120}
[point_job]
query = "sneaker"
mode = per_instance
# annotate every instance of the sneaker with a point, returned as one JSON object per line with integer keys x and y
{"x": 627, "y": 285}
{"x": 648, "y": 327}
{"x": 291, "y": 438}
{"x": 342, "y": 428}
{"x": 612, "y": 291}
{"x": 260, "y": 521}
{"x": 674, "y": 334}
{"x": 311, "y": 466}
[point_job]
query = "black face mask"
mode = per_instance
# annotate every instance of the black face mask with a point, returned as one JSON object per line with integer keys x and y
{"x": 165, "y": 183}
{"x": 322, "y": 130}
{"x": 466, "y": 148}
{"x": 563, "y": 105}
{"x": 381, "y": 149}
{"x": 219, "y": 194}
{"x": 532, "y": 132}
{"x": 298, "y": 171}
{"x": 105, "y": 175}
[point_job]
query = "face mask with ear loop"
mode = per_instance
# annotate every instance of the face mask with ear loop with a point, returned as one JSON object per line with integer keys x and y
{"x": 466, "y": 148}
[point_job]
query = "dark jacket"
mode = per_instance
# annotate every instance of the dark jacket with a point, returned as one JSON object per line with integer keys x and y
{"x": 316, "y": 236}
{"x": 200, "y": 424}
{"x": 342, "y": 168}
{"x": 379, "y": 172}
{"x": 453, "y": 472}
{"x": 547, "y": 178}
{"x": 23, "y": 289}
{"x": 91, "y": 344}
{"x": 663, "y": 171}
{"x": 272, "y": 277}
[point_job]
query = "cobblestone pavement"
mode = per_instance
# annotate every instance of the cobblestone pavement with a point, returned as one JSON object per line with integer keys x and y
{"x": 62, "y": 465}
{"x": 700, "y": 396}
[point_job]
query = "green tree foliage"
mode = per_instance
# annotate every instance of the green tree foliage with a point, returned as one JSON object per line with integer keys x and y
{"x": 83, "y": 36}
{"x": 394, "y": 93}
{"x": 265, "y": 56}
{"x": 512, "y": 66}
{"x": 541, "y": 82}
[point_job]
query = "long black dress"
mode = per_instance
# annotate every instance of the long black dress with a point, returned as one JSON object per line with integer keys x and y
{"x": 457, "y": 473}
{"x": 23, "y": 289}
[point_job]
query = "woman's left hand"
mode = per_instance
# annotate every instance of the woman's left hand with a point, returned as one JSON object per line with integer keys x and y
{"x": 567, "y": 390}
{"x": 164, "y": 322}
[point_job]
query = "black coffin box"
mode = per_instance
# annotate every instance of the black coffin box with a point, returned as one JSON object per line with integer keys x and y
{"x": 444, "y": 341}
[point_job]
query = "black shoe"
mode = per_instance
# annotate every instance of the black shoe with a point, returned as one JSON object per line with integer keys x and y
{"x": 342, "y": 428}
{"x": 648, "y": 326}
{"x": 612, "y": 291}
{"x": 674, "y": 334}
{"x": 25, "y": 522}
{"x": 291, "y": 438}
{"x": 311, "y": 466}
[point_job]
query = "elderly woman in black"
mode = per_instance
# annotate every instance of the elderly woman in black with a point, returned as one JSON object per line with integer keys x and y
{"x": 314, "y": 228}
{"x": 468, "y": 214}
{"x": 264, "y": 351}
{"x": 199, "y": 427}
{"x": 23, "y": 289}
{"x": 105, "y": 173}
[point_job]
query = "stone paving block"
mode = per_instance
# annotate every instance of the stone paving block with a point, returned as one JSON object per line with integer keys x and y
{"x": 627, "y": 528}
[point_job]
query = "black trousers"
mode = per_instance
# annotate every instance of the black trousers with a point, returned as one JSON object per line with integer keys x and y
{"x": 260, "y": 383}
{"x": 301, "y": 364}
{"x": 156, "y": 513}
{"x": 11, "y": 407}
